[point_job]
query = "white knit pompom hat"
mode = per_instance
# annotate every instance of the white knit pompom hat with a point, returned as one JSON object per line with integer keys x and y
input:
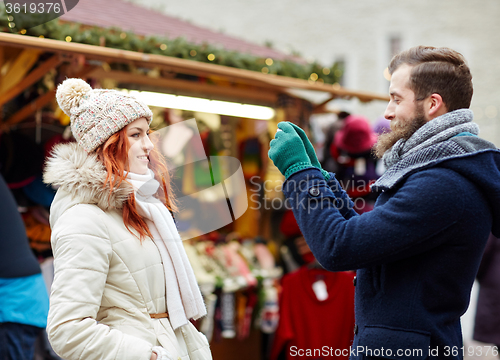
{"x": 97, "y": 114}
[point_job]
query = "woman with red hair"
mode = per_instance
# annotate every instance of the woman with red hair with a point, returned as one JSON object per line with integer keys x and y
{"x": 123, "y": 287}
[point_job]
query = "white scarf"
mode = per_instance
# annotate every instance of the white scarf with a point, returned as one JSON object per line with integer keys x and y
{"x": 184, "y": 300}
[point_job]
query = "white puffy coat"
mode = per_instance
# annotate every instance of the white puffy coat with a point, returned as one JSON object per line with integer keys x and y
{"x": 106, "y": 282}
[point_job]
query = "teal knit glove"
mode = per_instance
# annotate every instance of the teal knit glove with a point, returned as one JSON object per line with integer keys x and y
{"x": 287, "y": 151}
{"x": 310, "y": 151}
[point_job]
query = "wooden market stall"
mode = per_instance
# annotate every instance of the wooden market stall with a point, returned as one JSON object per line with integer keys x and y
{"x": 26, "y": 60}
{"x": 87, "y": 61}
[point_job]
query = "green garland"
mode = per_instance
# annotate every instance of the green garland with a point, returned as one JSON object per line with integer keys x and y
{"x": 179, "y": 47}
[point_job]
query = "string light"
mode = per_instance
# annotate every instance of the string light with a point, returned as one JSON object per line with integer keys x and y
{"x": 23, "y": 31}
{"x": 163, "y": 47}
{"x": 211, "y": 57}
{"x": 42, "y": 37}
{"x": 68, "y": 39}
{"x": 193, "y": 53}
{"x": 123, "y": 35}
{"x": 265, "y": 70}
{"x": 326, "y": 71}
{"x": 12, "y": 25}
{"x": 313, "y": 77}
{"x": 269, "y": 61}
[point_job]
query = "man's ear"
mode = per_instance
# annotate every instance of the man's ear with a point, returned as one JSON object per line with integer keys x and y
{"x": 435, "y": 106}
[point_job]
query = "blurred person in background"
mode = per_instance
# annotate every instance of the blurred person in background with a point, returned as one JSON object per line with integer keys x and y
{"x": 356, "y": 170}
{"x": 418, "y": 251}
{"x": 329, "y": 163}
{"x": 487, "y": 324}
{"x": 294, "y": 250}
{"x": 24, "y": 302}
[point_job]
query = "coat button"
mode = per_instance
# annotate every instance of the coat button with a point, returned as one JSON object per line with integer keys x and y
{"x": 314, "y": 191}
{"x": 354, "y": 281}
{"x": 356, "y": 329}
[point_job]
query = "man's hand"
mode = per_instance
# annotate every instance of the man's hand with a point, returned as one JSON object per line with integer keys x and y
{"x": 310, "y": 151}
{"x": 287, "y": 151}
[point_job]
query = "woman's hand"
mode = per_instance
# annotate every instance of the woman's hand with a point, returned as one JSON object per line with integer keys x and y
{"x": 160, "y": 353}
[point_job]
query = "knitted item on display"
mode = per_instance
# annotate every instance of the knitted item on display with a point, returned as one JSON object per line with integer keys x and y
{"x": 228, "y": 315}
{"x": 207, "y": 324}
{"x": 96, "y": 114}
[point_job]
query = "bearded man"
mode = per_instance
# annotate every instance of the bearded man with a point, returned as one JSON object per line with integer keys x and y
{"x": 418, "y": 251}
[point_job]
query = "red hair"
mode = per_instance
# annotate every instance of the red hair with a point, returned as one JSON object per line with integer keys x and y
{"x": 114, "y": 155}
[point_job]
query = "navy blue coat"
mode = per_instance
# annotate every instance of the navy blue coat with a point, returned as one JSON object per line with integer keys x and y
{"x": 416, "y": 254}
{"x": 16, "y": 258}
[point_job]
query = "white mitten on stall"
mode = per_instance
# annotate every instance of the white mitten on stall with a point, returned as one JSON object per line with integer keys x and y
{"x": 162, "y": 353}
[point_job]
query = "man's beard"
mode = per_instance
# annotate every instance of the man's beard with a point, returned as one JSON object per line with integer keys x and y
{"x": 403, "y": 130}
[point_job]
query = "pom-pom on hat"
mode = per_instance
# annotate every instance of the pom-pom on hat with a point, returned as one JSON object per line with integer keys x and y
{"x": 96, "y": 114}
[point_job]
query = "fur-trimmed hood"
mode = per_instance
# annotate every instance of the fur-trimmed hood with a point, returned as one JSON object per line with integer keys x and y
{"x": 83, "y": 176}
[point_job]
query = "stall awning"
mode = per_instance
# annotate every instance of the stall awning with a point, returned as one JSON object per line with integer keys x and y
{"x": 225, "y": 83}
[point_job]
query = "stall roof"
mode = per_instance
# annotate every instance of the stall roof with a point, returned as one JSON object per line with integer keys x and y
{"x": 225, "y": 83}
{"x": 270, "y": 81}
{"x": 142, "y": 21}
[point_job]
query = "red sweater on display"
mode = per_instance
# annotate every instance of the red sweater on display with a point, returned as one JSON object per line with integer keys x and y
{"x": 310, "y": 328}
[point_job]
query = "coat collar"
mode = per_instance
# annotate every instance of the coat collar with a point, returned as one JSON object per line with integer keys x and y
{"x": 83, "y": 176}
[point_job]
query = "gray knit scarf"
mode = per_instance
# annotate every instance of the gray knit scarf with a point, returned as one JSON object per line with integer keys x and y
{"x": 445, "y": 137}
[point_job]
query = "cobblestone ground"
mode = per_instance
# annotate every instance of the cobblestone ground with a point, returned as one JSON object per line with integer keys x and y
{"x": 478, "y": 350}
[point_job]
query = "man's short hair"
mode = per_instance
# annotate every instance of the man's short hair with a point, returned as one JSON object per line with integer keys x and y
{"x": 437, "y": 70}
